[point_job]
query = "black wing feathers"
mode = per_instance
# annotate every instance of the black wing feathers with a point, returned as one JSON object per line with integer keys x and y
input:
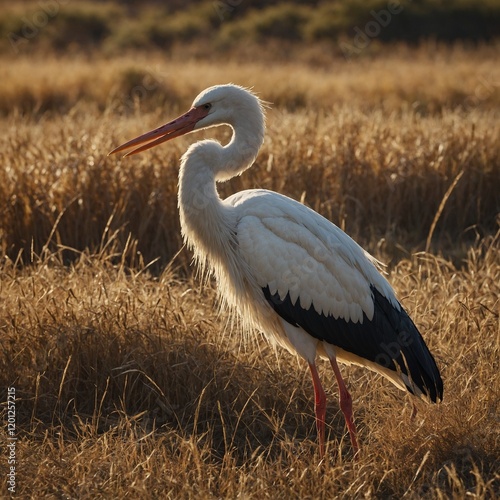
{"x": 390, "y": 339}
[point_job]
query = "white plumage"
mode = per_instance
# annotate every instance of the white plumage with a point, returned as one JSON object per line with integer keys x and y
{"x": 292, "y": 249}
{"x": 286, "y": 269}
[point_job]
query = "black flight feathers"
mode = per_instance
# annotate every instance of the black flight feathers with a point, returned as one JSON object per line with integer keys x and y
{"x": 390, "y": 339}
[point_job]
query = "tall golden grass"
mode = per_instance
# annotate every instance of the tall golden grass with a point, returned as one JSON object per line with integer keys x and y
{"x": 129, "y": 384}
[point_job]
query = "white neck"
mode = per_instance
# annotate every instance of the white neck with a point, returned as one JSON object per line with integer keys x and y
{"x": 208, "y": 225}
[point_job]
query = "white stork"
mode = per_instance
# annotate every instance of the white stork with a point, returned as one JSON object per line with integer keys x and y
{"x": 286, "y": 269}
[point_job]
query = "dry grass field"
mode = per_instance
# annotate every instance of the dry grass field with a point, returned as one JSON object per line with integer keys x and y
{"x": 129, "y": 384}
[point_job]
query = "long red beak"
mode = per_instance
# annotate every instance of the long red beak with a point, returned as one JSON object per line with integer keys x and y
{"x": 180, "y": 126}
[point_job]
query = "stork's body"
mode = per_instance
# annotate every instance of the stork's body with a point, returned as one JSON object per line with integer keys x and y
{"x": 287, "y": 270}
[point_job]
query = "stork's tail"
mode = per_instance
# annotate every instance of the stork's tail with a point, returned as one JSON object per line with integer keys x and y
{"x": 407, "y": 354}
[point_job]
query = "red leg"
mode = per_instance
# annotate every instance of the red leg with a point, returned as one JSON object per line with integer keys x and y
{"x": 319, "y": 408}
{"x": 345, "y": 405}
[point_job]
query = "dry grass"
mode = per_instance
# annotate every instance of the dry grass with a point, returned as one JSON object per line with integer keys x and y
{"x": 425, "y": 80}
{"x": 126, "y": 388}
{"x": 61, "y": 187}
{"x": 127, "y": 385}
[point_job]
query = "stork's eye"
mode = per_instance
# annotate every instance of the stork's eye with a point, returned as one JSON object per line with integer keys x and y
{"x": 207, "y": 106}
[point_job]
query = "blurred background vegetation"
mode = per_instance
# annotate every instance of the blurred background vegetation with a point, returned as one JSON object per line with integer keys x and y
{"x": 407, "y": 92}
{"x": 113, "y": 26}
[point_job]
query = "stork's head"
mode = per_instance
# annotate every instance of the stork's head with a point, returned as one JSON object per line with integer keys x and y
{"x": 222, "y": 104}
